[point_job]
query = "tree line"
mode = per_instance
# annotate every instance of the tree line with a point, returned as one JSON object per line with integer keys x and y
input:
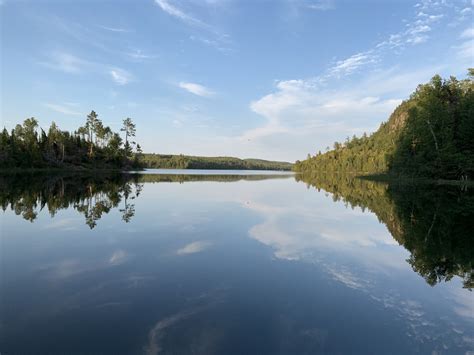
{"x": 91, "y": 146}
{"x": 169, "y": 161}
{"x": 429, "y": 135}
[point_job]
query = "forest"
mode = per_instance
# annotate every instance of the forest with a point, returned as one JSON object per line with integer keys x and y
{"x": 162, "y": 161}
{"x": 430, "y": 135}
{"x": 92, "y": 146}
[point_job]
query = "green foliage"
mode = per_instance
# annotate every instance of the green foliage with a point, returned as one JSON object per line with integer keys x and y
{"x": 162, "y": 161}
{"x": 92, "y": 146}
{"x": 129, "y": 129}
{"x": 429, "y": 135}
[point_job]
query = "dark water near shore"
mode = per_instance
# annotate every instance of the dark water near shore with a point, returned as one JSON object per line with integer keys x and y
{"x": 234, "y": 263}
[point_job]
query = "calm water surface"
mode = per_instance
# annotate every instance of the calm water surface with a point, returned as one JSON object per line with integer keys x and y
{"x": 234, "y": 263}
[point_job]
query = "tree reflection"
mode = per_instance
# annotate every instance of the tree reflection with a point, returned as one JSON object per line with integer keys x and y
{"x": 435, "y": 223}
{"x": 93, "y": 197}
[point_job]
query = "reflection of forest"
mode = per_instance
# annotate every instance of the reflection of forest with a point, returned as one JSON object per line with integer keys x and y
{"x": 92, "y": 196}
{"x": 208, "y": 177}
{"x": 434, "y": 223}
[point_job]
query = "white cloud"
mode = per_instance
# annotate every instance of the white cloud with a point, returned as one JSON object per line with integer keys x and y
{"x": 174, "y": 11}
{"x": 138, "y": 55}
{"x": 196, "y": 89}
{"x": 118, "y": 257}
{"x": 114, "y": 29}
{"x": 301, "y": 107}
{"x": 321, "y": 5}
{"x": 468, "y": 33}
{"x": 193, "y": 248}
{"x": 349, "y": 65}
{"x": 120, "y": 76}
{"x": 62, "y": 109}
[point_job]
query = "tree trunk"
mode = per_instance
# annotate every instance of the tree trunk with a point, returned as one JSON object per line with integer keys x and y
{"x": 434, "y": 136}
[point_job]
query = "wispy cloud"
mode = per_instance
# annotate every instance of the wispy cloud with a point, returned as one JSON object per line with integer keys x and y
{"x": 176, "y": 12}
{"x": 66, "y": 62}
{"x": 351, "y": 64}
{"x": 417, "y": 30}
{"x": 72, "y": 64}
{"x": 118, "y": 257}
{"x": 219, "y": 40}
{"x": 321, "y": 5}
{"x": 465, "y": 50}
{"x": 120, "y": 76}
{"x": 64, "y": 109}
{"x": 95, "y": 39}
{"x": 196, "y": 89}
{"x": 115, "y": 29}
{"x": 222, "y": 44}
{"x": 139, "y": 55}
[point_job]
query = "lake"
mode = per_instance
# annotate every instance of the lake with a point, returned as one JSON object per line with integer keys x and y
{"x": 234, "y": 262}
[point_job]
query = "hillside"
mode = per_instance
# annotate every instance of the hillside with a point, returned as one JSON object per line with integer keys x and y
{"x": 429, "y": 135}
{"x": 163, "y": 161}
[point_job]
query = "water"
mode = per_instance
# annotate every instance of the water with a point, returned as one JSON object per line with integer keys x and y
{"x": 234, "y": 262}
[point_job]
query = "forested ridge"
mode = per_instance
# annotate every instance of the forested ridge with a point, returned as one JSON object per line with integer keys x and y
{"x": 430, "y": 135}
{"x": 92, "y": 146}
{"x": 164, "y": 161}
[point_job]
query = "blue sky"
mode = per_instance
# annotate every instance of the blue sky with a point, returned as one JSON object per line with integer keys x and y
{"x": 266, "y": 79}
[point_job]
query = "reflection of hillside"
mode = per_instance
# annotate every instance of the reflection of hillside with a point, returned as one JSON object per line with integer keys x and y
{"x": 27, "y": 195}
{"x": 434, "y": 223}
{"x": 216, "y": 178}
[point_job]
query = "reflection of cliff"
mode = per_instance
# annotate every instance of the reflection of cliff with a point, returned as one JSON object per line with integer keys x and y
{"x": 93, "y": 197}
{"x": 434, "y": 223}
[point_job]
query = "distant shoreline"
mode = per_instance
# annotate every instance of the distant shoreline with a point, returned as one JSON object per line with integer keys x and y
{"x": 175, "y": 161}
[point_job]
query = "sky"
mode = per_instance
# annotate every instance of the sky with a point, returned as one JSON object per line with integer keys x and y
{"x": 247, "y": 78}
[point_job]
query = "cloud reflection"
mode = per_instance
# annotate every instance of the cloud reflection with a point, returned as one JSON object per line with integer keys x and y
{"x": 194, "y": 247}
